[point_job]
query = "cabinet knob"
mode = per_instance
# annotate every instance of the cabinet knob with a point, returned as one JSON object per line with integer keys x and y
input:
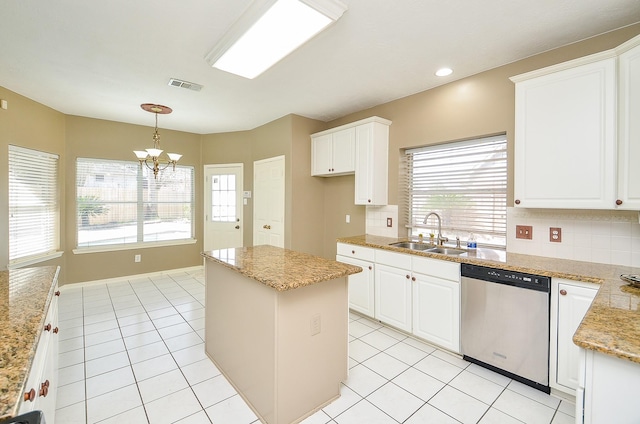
{"x": 563, "y": 292}
{"x": 517, "y": 202}
{"x": 370, "y": 267}
{"x": 57, "y": 293}
{"x": 47, "y": 327}
{"x": 618, "y": 202}
{"x": 44, "y": 389}
{"x": 353, "y": 252}
{"x": 413, "y": 278}
{"x": 237, "y": 227}
{"x": 55, "y": 330}
{"x": 369, "y": 200}
{"x": 408, "y": 276}
{"x": 30, "y": 395}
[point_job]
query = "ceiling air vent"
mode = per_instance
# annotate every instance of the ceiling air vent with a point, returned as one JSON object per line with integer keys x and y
{"x": 185, "y": 84}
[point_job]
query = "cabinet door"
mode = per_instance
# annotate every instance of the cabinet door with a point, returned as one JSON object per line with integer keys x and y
{"x": 565, "y": 138}
{"x": 573, "y": 302}
{"x": 629, "y": 133}
{"x": 344, "y": 151}
{"x": 436, "y": 311}
{"x": 321, "y": 152}
{"x": 393, "y": 296}
{"x": 371, "y": 165}
{"x": 361, "y": 286}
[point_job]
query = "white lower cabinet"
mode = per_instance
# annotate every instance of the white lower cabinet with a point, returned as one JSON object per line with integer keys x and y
{"x": 393, "y": 296}
{"x": 608, "y": 391}
{"x": 41, "y": 388}
{"x": 570, "y": 301}
{"x": 361, "y": 286}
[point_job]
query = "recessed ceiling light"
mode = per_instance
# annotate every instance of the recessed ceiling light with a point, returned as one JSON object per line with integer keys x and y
{"x": 268, "y": 31}
{"x": 443, "y": 72}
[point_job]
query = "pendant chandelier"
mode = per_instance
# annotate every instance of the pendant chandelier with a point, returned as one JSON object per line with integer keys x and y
{"x": 151, "y": 157}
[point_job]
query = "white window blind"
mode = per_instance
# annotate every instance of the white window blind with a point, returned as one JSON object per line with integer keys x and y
{"x": 465, "y": 183}
{"x": 119, "y": 202}
{"x": 33, "y": 204}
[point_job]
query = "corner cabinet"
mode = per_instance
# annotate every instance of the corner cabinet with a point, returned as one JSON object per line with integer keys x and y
{"x": 570, "y": 301}
{"x": 360, "y": 148}
{"x": 333, "y": 154}
{"x": 577, "y": 136}
{"x": 629, "y": 125}
{"x": 372, "y": 163}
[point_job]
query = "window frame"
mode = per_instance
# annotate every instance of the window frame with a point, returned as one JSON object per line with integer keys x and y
{"x": 481, "y": 199}
{"x": 141, "y": 174}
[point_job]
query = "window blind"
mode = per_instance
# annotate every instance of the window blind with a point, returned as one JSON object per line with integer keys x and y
{"x": 33, "y": 203}
{"x": 119, "y": 202}
{"x": 464, "y": 182}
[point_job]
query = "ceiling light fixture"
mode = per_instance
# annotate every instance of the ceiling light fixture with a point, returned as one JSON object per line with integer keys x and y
{"x": 443, "y": 72}
{"x": 268, "y": 31}
{"x": 151, "y": 157}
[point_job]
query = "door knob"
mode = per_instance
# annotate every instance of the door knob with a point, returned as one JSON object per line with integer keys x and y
{"x": 237, "y": 227}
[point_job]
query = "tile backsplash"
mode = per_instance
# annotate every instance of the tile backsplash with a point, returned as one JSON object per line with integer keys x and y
{"x": 608, "y": 237}
{"x": 376, "y": 220}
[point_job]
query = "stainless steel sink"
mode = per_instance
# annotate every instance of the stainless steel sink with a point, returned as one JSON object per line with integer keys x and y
{"x": 412, "y": 246}
{"x": 446, "y": 250}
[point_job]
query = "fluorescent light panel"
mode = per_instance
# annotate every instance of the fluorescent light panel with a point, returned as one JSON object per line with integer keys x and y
{"x": 285, "y": 26}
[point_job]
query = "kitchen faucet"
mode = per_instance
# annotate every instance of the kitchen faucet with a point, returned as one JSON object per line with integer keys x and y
{"x": 440, "y": 239}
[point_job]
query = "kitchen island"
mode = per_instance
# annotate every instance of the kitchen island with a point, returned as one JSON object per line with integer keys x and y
{"x": 276, "y": 325}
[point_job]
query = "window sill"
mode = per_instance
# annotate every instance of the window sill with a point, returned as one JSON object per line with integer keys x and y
{"x": 132, "y": 246}
{"x": 21, "y": 263}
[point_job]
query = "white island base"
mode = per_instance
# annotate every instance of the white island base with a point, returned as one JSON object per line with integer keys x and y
{"x": 263, "y": 342}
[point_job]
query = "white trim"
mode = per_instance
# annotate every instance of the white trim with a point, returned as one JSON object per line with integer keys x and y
{"x": 353, "y": 124}
{"x": 21, "y": 263}
{"x": 607, "y": 54}
{"x": 188, "y": 270}
{"x": 131, "y": 246}
{"x": 628, "y": 45}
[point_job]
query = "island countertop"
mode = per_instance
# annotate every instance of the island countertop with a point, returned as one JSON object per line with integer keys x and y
{"x": 25, "y": 295}
{"x": 612, "y": 323}
{"x": 280, "y": 269}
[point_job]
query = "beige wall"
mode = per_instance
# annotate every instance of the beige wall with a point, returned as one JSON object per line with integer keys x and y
{"x": 483, "y": 104}
{"x": 28, "y": 124}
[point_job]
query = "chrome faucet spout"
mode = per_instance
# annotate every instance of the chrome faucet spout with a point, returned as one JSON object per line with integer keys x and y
{"x": 440, "y": 239}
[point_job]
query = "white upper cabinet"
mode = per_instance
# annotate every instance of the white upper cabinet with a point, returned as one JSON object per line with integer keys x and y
{"x": 576, "y": 139}
{"x": 333, "y": 154}
{"x": 629, "y": 125}
{"x": 372, "y": 163}
{"x": 361, "y": 147}
{"x": 565, "y": 135}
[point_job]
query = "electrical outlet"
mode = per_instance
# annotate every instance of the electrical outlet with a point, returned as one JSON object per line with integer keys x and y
{"x": 315, "y": 324}
{"x": 389, "y": 222}
{"x": 347, "y": 219}
{"x": 555, "y": 235}
{"x": 137, "y": 258}
{"x": 524, "y": 232}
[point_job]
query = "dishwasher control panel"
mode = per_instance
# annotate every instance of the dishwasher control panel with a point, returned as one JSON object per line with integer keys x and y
{"x": 501, "y": 276}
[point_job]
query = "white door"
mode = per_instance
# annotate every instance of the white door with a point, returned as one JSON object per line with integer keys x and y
{"x": 361, "y": 286}
{"x": 223, "y": 206}
{"x": 268, "y": 202}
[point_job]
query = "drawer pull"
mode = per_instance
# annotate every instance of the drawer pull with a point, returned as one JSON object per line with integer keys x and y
{"x": 44, "y": 389}
{"x": 57, "y": 293}
{"x": 408, "y": 276}
{"x": 30, "y": 395}
{"x": 47, "y": 327}
{"x": 353, "y": 252}
{"x": 563, "y": 292}
{"x": 55, "y": 330}
{"x": 370, "y": 267}
{"x": 413, "y": 278}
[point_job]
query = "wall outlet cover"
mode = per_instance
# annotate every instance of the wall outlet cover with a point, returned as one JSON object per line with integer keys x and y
{"x": 555, "y": 234}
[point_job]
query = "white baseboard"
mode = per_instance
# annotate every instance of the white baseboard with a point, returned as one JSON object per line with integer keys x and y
{"x": 188, "y": 270}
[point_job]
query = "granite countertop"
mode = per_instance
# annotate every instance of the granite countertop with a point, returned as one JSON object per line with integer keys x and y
{"x": 25, "y": 295}
{"x": 280, "y": 269}
{"x": 612, "y": 323}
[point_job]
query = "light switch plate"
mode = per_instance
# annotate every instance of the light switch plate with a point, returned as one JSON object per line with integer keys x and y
{"x": 524, "y": 232}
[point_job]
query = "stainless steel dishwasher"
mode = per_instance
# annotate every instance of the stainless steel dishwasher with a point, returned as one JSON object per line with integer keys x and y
{"x": 505, "y": 323}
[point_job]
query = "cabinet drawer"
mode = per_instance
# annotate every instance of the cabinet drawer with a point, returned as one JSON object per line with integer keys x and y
{"x": 436, "y": 268}
{"x": 398, "y": 260}
{"x": 357, "y": 252}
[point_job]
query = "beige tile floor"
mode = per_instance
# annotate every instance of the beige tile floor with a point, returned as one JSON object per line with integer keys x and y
{"x": 132, "y": 351}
